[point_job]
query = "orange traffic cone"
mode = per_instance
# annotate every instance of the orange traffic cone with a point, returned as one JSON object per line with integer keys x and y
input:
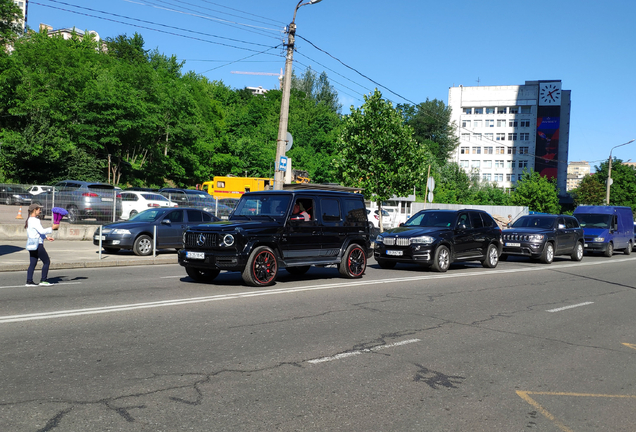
{"x": 19, "y": 216}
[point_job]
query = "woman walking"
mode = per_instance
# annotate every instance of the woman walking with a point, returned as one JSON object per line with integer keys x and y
{"x": 35, "y": 245}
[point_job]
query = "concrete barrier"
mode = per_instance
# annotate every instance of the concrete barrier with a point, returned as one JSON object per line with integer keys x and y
{"x": 66, "y": 232}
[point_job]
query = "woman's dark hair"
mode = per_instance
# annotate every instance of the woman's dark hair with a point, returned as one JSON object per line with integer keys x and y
{"x": 26, "y": 222}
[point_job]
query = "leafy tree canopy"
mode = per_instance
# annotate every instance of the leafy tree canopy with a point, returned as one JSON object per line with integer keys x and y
{"x": 10, "y": 27}
{"x": 537, "y": 193}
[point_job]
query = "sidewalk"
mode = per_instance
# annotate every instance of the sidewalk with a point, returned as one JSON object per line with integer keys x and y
{"x": 67, "y": 254}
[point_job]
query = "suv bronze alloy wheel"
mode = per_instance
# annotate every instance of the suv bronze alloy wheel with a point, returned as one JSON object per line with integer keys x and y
{"x": 273, "y": 230}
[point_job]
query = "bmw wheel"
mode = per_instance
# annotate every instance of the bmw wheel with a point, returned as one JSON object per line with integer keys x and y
{"x": 492, "y": 257}
{"x": 441, "y": 259}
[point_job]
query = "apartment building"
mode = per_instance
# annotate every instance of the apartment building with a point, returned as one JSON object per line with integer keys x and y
{"x": 504, "y": 130}
{"x": 23, "y": 5}
{"x": 576, "y": 172}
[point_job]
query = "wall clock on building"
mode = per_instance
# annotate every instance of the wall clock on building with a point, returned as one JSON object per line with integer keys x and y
{"x": 550, "y": 93}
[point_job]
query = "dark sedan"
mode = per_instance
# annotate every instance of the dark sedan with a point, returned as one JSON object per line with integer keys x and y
{"x": 543, "y": 237}
{"x": 11, "y": 194}
{"x": 137, "y": 233}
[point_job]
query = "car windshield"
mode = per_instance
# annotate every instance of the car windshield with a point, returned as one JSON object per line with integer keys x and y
{"x": 533, "y": 222}
{"x": 429, "y": 218}
{"x": 262, "y": 205}
{"x": 147, "y": 216}
{"x": 594, "y": 220}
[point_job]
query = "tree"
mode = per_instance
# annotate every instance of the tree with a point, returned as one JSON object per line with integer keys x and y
{"x": 10, "y": 23}
{"x": 537, "y": 193}
{"x": 623, "y": 188}
{"x": 377, "y": 152}
{"x": 319, "y": 89}
{"x": 590, "y": 191}
{"x": 432, "y": 127}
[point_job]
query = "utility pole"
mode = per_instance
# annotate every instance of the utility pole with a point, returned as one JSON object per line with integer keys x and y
{"x": 281, "y": 142}
{"x": 609, "y": 173}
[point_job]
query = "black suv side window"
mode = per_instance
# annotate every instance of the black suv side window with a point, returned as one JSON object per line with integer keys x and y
{"x": 175, "y": 216}
{"x": 354, "y": 211}
{"x": 195, "y": 216}
{"x": 463, "y": 221}
{"x": 476, "y": 218}
{"x": 488, "y": 220}
{"x": 571, "y": 223}
{"x": 330, "y": 210}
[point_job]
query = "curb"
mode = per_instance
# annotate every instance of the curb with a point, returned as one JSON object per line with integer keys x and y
{"x": 90, "y": 264}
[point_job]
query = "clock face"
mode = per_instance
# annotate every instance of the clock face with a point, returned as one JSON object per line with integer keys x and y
{"x": 550, "y": 94}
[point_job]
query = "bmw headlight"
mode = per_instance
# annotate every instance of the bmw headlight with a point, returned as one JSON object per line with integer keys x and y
{"x": 427, "y": 240}
{"x": 536, "y": 237}
{"x": 228, "y": 240}
{"x": 121, "y": 231}
{"x": 598, "y": 239}
{"x": 379, "y": 239}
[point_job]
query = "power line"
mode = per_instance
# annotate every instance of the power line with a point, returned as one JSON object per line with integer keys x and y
{"x": 150, "y": 28}
{"x": 247, "y": 13}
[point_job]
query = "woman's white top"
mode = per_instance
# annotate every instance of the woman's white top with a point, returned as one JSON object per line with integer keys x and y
{"x": 35, "y": 230}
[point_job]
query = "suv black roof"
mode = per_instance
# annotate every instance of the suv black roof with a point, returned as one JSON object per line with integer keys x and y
{"x": 302, "y": 192}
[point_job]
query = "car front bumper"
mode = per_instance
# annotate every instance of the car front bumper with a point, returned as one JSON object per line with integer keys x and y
{"x": 533, "y": 250}
{"x": 212, "y": 260}
{"x": 422, "y": 254}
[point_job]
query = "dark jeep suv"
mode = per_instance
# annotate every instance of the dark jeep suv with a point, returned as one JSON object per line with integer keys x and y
{"x": 436, "y": 238}
{"x": 543, "y": 237}
{"x": 270, "y": 230}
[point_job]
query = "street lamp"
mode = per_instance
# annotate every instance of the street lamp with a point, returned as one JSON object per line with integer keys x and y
{"x": 284, "y": 105}
{"x": 609, "y": 172}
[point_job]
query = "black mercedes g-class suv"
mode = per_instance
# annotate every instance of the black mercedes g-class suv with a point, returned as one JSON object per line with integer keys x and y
{"x": 270, "y": 230}
{"x": 542, "y": 237}
{"x": 437, "y": 238}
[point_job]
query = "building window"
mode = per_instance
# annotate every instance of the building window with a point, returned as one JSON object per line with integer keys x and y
{"x": 524, "y": 123}
{"x": 498, "y": 177}
{"x": 486, "y": 177}
{"x": 476, "y": 150}
{"x": 501, "y": 122}
{"x": 512, "y": 136}
{"x": 466, "y": 123}
{"x": 501, "y": 137}
{"x": 477, "y": 137}
{"x": 488, "y": 136}
{"x": 523, "y": 150}
{"x": 499, "y": 164}
{"x": 464, "y": 150}
{"x": 513, "y": 110}
{"x": 489, "y": 123}
{"x": 524, "y": 136}
{"x": 501, "y": 110}
{"x": 512, "y": 150}
{"x": 487, "y": 164}
{"x": 474, "y": 164}
{"x": 500, "y": 150}
{"x": 512, "y": 123}
{"x": 487, "y": 150}
{"x": 523, "y": 164}
{"x": 508, "y": 177}
{"x": 478, "y": 111}
{"x": 468, "y": 110}
{"x": 511, "y": 164}
{"x": 463, "y": 163}
{"x": 526, "y": 110}
{"x": 513, "y": 178}
{"x": 490, "y": 110}
{"x": 477, "y": 123}
{"x": 465, "y": 137}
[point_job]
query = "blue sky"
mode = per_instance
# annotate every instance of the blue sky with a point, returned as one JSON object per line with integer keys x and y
{"x": 411, "y": 49}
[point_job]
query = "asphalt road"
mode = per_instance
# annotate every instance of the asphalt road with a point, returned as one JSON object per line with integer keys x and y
{"x": 521, "y": 347}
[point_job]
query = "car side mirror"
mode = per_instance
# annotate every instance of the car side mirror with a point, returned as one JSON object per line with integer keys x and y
{"x": 296, "y": 218}
{"x": 166, "y": 222}
{"x": 401, "y": 223}
{"x": 561, "y": 226}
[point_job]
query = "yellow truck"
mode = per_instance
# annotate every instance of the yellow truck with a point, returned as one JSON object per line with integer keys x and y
{"x": 234, "y": 187}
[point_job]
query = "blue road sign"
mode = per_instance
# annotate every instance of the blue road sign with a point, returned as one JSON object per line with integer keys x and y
{"x": 282, "y": 165}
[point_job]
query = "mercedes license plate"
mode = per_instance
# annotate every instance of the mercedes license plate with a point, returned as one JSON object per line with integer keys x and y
{"x": 513, "y": 244}
{"x": 394, "y": 252}
{"x": 97, "y": 238}
{"x": 195, "y": 255}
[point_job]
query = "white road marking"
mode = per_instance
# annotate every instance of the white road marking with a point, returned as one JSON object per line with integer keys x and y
{"x": 260, "y": 293}
{"x": 569, "y": 307}
{"x": 55, "y": 284}
{"x": 368, "y": 350}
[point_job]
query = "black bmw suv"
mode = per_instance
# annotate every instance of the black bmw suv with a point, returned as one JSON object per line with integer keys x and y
{"x": 543, "y": 237}
{"x": 436, "y": 238}
{"x": 270, "y": 230}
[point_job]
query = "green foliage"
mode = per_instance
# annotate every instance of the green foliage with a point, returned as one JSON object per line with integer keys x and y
{"x": 537, "y": 193}
{"x": 593, "y": 188}
{"x": 432, "y": 127}
{"x": 317, "y": 88}
{"x": 589, "y": 192}
{"x": 10, "y": 28}
{"x": 377, "y": 151}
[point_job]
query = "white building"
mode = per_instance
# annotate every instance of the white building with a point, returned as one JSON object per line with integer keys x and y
{"x": 23, "y": 5}
{"x": 506, "y": 129}
{"x": 576, "y": 172}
